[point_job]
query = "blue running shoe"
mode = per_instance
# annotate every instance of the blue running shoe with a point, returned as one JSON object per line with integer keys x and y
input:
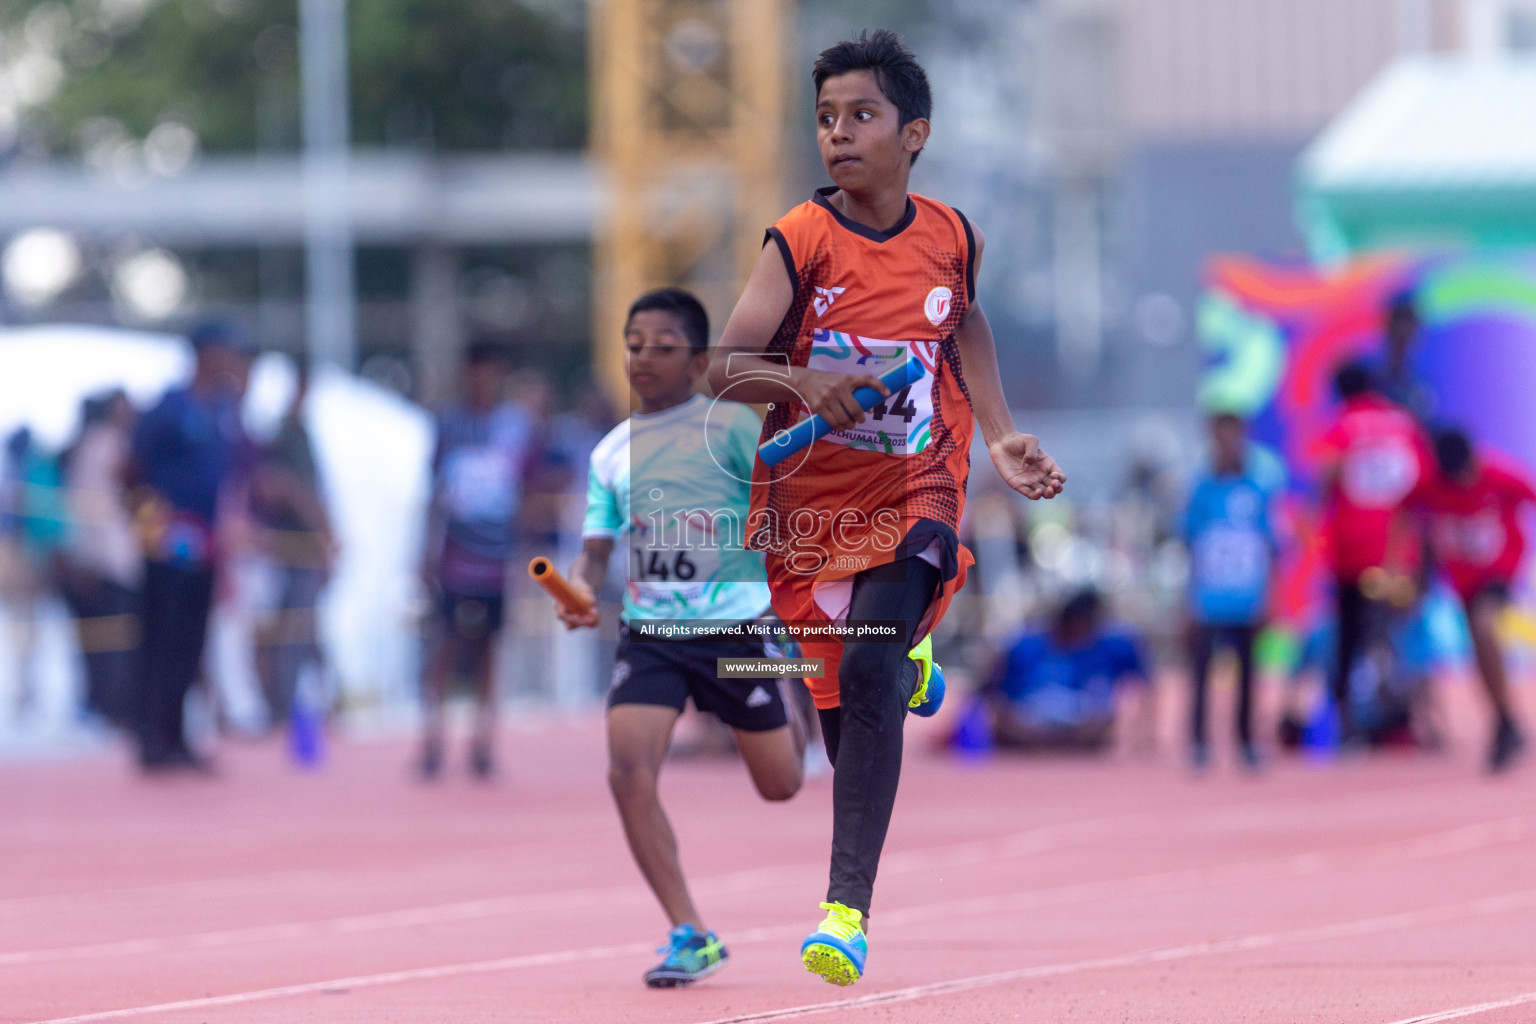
{"x": 928, "y": 697}
{"x": 836, "y": 951}
{"x": 690, "y": 955}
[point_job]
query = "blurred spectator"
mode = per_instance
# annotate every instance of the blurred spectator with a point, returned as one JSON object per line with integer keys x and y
{"x": 1393, "y": 372}
{"x": 1372, "y": 459}
{"x": 32, "y": 532}
{"x": 1059, "y": 688}
{"x": 1150, "y": 494}
{"x": 186, "y": 451}
{"x": 539, "y": 517}
{"x": 292, "y": 534}
{"x": 1232, "y": 546}
{"x": 569, "y": 439}
{"x": 483, "y": 444}
{"x": 103, "y": 566}
{"x": 1393, "y": 705}
{"x": 1476, "y": 539}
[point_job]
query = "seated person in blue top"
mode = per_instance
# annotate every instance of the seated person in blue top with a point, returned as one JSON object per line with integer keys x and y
{"x": 1232, "y": 545}
{"x": 1059, "y": 688}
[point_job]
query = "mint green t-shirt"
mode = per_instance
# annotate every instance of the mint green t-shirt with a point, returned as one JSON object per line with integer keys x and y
{"x": 673, "y": 488}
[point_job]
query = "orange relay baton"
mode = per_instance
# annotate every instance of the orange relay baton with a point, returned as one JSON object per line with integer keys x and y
{"x": 544, "y": 573}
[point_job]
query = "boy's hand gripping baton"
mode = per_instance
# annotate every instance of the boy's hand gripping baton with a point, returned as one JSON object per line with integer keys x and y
{"x": 544, "y": 573}
{"x": 787, "y": 442}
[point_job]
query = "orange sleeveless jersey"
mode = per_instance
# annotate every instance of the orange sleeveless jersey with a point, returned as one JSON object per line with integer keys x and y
{"x": 893, "y": 485}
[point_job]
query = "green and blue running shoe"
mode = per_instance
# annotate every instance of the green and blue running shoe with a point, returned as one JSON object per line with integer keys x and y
{"x": 690, "y": 955}
{"x": 928, "y": 696}
{"x": 836, "y": 951}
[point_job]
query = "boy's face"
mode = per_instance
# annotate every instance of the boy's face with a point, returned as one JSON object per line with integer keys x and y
{"x": 859, "y": 132}
{"x": 658, "y": 360}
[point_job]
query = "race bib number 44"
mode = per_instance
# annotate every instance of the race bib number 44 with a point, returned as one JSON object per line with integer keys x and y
{"x": 899, "y": 425}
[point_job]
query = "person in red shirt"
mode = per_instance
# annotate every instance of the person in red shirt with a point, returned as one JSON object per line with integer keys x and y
{"x": 1473, "y": 510}
{"x": 1373, "y": 458}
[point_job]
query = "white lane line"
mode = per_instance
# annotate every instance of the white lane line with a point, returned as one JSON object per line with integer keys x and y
{"x": 1303, "y": 864}
{"x": 957, "y": 855}
{"x": 1470, "y": 1011}
{"x": 367, "y": 981}
{"x": 970, "y": 852}
{"x": 1372, "y": 800}
{"x": 1263, "y": 940}
{"x": 1437, "y": 844}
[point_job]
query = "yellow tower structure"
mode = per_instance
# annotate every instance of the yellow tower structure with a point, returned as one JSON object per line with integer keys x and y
{"x": 688, "y": 136}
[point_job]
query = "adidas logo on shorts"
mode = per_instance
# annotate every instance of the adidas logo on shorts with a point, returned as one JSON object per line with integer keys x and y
{"x": 758, "y": 697}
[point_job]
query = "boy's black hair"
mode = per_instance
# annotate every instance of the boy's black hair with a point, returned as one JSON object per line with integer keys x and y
{"x": 479, "y": 353}
{"x": 681, "y": 304}
{"x": 898, "y": 74}
{"x": 1453, "y": 450}
{"x": 1228, "y": 416}
{"x": 1353, "y": 380}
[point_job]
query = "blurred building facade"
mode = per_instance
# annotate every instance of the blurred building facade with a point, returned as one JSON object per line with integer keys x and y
{"x": 1105, "y": 146}
{"x": 1109, "y": 146}
{"x": 424, "y": 225}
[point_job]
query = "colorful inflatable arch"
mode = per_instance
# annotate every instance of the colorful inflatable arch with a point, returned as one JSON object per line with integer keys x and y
{"x": 1275, "y": 335}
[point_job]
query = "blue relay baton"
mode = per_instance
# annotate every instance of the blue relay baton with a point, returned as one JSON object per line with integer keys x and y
{"x": 787, "y": 442}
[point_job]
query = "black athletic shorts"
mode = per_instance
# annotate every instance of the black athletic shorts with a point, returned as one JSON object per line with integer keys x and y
{"x": 668, "y": 672}
{"x": 472, "y": 617}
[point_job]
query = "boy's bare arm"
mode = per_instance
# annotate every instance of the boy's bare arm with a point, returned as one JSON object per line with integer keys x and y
{"x": 1018, "y": 458}
{"x": 739, "y": 366}
{"x": 586, "y": 577}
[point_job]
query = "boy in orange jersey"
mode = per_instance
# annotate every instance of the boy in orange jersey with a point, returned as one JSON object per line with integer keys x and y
{"x": 860, "y": 527}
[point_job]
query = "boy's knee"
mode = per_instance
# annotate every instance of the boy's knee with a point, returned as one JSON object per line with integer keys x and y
{"x": 629, "y": 779}
{"x": 780, "y": 788}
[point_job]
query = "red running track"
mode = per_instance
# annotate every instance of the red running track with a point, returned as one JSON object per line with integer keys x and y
{"x": 1388, "y": 890}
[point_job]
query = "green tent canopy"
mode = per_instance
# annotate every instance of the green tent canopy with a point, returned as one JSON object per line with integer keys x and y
{"x": 1435, "y": 153}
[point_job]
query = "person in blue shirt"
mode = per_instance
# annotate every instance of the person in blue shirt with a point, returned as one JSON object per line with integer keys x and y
{"x": 187, "y": 450}
{"x": 1393, "y": 370}
{"x": 1057, "y": 688}
{"x": 484, "y": 441}
{"x": 1230, "y": 533}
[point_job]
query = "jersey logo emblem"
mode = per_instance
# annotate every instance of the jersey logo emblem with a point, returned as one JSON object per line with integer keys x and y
{"x": 758, "y": 697}
{"x": 936, "y": 305}
{"x": 825, "y": 297}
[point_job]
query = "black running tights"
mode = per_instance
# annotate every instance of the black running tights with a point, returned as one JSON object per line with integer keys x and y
{"x": 863, "y": 735}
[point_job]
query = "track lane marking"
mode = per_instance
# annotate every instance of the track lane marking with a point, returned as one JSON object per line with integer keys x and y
{"x": 1470, "y": 1011}
{"x": 955, "y": 855}
{"x": 977, "y": 851}
{"x": 1263, "y": 940}
{"x": 1371, "y": 798}
{"x": 1457, "y": 840}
